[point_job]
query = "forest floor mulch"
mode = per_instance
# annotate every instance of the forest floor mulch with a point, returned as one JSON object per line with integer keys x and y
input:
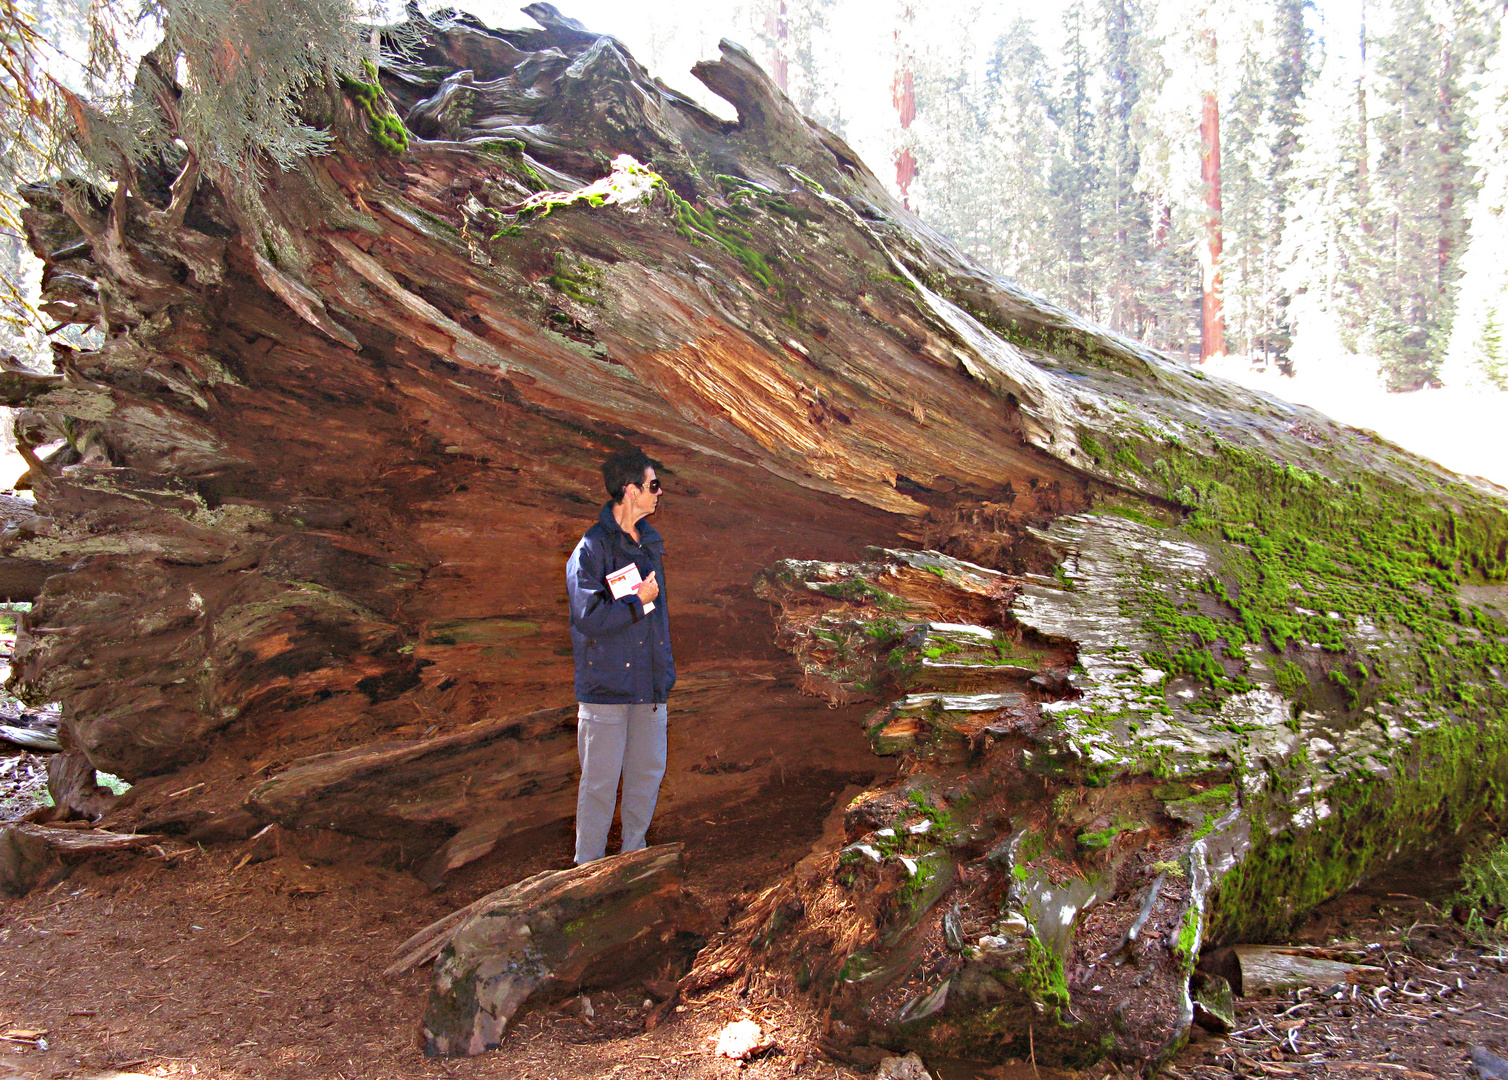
{"x": 202, "y": 962}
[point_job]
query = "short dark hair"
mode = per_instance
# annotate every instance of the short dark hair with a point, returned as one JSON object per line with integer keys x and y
{"x": 626, "y": 467}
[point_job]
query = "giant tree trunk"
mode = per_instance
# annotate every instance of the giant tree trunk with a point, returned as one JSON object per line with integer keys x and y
{"x": 1129, "y": 659}
{"x": 1212, "y": 287}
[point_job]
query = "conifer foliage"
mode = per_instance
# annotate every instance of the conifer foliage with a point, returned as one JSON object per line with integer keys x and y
{"x": 223, "y": 91}
{"x": 1351, "y": 161}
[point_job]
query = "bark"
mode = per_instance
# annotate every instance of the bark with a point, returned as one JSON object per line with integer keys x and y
{"x": 1124, "y": 659}
{"x": 487, "y": 781}
{"x": 73, "y": 786}
{"x": 549, "y": 936}
{"x": 29, "y": 852}
{"x": 1268, "y": 970}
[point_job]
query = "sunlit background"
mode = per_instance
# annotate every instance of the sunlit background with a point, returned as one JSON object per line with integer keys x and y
{"x": 849, "y": 68}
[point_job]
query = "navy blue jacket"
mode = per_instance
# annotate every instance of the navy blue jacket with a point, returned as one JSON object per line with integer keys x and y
{"x": 622, "y": 655}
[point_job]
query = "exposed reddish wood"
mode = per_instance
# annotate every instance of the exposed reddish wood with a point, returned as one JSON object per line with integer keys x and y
{"x": 78, "y": 842}
{"x": 28, "y": 852}
{"x": 73, "y": 786}
{"x": 24, "y": 858}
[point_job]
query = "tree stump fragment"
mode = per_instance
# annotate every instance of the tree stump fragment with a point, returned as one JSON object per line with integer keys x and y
{"x": 28, "y": 851}
{"x": 550, "y": 935}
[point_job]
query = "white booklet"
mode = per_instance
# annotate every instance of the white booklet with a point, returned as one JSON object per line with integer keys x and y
{"x": 622, "y": 582}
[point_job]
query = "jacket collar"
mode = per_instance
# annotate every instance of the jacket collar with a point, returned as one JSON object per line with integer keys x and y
{"x": 647, "y": 532}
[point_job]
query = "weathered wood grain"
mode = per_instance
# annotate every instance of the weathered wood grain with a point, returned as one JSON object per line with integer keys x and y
{"x": 549, "y": 935}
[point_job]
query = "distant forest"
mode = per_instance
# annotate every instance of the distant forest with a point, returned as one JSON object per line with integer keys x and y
{"x": 1214, "y": 178}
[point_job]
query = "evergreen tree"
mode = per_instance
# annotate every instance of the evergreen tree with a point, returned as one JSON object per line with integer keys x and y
{"x": 950, "y": 184}
{"x": 1476, "y": 341}
{"x": 231, "y": 72}
{"x": 35, "y": 39}
{"x": 1291, "y": 72}
{"x": 793, "y": 34}
{"x": 1248, "y": 268}
{"x": 1120, "y": 232}
{"x": 987, "y": 147}
{"x": 1017, "y": 147}
{"x": 1166, "y": 126}
{"x": 1494, "y": 360}
{"x": 1421, "y": 185}
{"x": 1323, "y": 242}
{"x": 1020, "y": 146}
{"x": 1073, "y": 174}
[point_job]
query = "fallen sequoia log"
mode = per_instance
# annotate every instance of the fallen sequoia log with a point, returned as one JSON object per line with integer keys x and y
{"x": 1127, "y": 660}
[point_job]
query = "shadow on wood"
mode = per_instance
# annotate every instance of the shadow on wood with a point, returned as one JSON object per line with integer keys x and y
{"x": 548, "y": 936}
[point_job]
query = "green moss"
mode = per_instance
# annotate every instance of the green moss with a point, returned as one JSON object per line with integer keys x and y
{"x": 1305, "y": 557}
{"x": 1340, "y": 679}
{"x": 1186, "y": 944}
{"x": 722, "y": 226}
{"x": 1041, "y": 977}
{"x": 578, "y": 280}
{"x": 1220, "y": 793}
{"x": 945, "y": 826}
{"x": 924, "y": 887}
{"x": 722, "y": 229}
{"x": 510, "y": 154}
{"x": 383, "y": 125}
{"x": 1098, "y": 841}
{"x": 743, "y": 195}
{"x": 1291, "y": 680}
{"x": 883, "y": 630}
{"x": 1445, "y": 782}
{"x": 1484, "y": 888}
{"x": 1130, "y": 513}
{"x": 857, "y": 590}
{"x": 1345, "y": 589}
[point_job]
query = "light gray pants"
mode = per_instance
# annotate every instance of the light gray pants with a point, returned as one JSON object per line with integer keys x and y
{"x": 614, "y": 740}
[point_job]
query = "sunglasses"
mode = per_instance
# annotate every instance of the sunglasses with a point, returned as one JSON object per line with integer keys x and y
{"x": 653, "y": 486}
